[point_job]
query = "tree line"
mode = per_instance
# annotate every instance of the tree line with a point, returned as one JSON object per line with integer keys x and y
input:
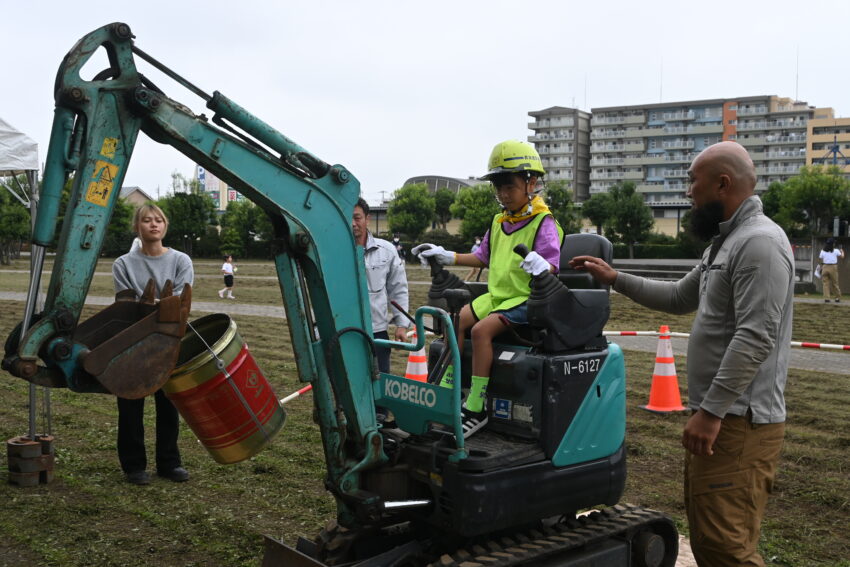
{"x": 621, "y": 213}
{"x": 804, "y": 205}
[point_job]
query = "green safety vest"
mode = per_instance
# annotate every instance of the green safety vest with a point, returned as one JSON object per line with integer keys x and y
{"x": 507, "y": 282}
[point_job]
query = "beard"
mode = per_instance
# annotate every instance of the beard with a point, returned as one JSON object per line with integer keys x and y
{"x": 705, "y": 220}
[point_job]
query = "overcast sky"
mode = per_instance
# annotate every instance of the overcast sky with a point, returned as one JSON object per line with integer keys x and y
{"x": 397, "y": 89}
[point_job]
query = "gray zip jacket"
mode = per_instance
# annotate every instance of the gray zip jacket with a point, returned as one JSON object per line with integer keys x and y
{"x": 740, "y": 341}
{"x": 387, "y": 282}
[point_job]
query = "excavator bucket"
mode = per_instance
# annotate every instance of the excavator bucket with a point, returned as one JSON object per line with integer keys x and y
{"x": 133, "y": 345}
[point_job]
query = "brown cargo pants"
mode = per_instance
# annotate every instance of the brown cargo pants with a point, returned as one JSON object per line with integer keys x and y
{"x": 726, "y": 493}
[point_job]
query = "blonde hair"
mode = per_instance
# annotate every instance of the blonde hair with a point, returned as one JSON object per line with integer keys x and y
{"x": 148, "y": 209}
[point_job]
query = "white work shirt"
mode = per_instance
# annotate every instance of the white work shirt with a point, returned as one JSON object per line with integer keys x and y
{"x": 387, "y": 281}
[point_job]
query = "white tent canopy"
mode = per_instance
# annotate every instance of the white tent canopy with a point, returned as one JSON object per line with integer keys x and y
{"x": 18, "y": 154}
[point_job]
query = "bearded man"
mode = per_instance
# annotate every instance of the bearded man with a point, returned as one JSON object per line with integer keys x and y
{"x": 738, "y": 352}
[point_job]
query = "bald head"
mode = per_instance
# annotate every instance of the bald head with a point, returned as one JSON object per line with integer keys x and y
{"x": 730, "y": 158}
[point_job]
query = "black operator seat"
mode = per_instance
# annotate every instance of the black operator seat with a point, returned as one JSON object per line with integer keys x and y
{"x": 583, "y": 244}
{"x": 571, "y": 310}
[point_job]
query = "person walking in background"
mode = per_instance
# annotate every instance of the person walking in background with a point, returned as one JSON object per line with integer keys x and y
{"x": 829, "y": 257}
{"x": 743, "y": 292}
{"x": 398, "y": 246}
{"x": 227, "y": 269}
{"x": 475, "y": 271}
{"x": 132, "y": 271}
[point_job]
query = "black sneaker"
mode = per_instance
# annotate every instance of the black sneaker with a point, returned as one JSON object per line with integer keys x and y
{"x": 472, "y": 421}
{"x": 177, "y": 474}
{"x": 140, "y": 478}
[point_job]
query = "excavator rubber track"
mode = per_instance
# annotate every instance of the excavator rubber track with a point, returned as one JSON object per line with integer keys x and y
{"x": 652, "y": 542}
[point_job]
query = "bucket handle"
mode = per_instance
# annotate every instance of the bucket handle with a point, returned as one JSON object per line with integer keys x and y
{"x": 219, "y": 363}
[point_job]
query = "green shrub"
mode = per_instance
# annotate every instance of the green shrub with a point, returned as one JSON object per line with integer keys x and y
{"x": 654, "y": 251}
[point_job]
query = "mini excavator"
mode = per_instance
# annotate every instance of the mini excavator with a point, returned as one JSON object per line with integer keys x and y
{"x": 417, "y": 494}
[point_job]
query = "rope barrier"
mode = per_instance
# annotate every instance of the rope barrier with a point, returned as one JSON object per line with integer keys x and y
{"x": 825, "y": 346}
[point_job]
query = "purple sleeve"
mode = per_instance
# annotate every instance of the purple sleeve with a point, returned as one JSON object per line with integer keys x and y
{"x": 547, "y": 243}
{"x": 483, "y": 252}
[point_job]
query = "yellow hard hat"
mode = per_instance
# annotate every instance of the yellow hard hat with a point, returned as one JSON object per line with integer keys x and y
{"x": 513, "y": 156}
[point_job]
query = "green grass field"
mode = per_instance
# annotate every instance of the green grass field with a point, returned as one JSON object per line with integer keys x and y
{"x": 90, "y": 516}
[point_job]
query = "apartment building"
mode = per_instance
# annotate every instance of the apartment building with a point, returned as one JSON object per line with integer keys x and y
{"x": 561, "y": 137}
{"x": 653, "y": 145}
{"x": 828, "y": 142}
{"x": 775, "y": 131}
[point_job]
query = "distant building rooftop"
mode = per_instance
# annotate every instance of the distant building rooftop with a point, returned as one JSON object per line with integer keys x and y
{"x": 436, "y": 182}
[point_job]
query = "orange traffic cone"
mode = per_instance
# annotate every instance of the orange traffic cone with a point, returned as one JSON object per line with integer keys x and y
{"x": 664, "y": 394}
{"x": 417, "y": 364}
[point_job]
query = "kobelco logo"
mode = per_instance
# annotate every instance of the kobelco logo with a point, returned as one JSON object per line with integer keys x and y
{"x": 410, "y": 392}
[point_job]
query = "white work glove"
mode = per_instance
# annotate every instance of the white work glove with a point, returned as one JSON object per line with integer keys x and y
{"x": 534, "y": 264}
{"x": 426, "y": 251}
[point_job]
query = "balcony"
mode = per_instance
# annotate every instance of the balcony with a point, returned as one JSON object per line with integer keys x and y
{"x": 549, "y": 163}
{"x": 616, "y": 175}
{"x": 787, "y": 154}
{"x": 672, "y": 116}
{"x": 752, "y": 111}
{"x": 797, "y": 124}
{"x": 635, "y": 119}
{"x": 606, "y": 120}
{"x": 633, "y": 175}
{"x": 678, "y": 145}
{"x": 751, "y": 141}
{"x": 680, "y": 158}
{"x": 635, "y": 147}
{"x": 643, "y": 132}
{"x": 760, "y": 125}
{"x": 791, "y": 108}
{"x": 552, "y": 123}
{"x": 599, "y": 147}
{"x": 790, "y": 139}
{"x": 668, "y": 173}
{"x": 662, "y": 188}
{"x": 784, "y": 170}
{"x": 606, "y": 133}
{"x": 553, "y": 136}
{"x": 599, "y": 161}
{"x": 696, "y": 129}
{"x": 645, "y": 160}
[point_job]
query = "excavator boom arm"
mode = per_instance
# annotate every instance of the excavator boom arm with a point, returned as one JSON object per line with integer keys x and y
{"x": 309, "y": 202}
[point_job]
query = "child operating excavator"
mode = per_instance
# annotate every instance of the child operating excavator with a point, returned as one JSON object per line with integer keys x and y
{"x": 514, "y": 170}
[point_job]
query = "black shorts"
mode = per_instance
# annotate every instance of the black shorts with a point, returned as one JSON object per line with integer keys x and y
{"x": 228, "y": 280}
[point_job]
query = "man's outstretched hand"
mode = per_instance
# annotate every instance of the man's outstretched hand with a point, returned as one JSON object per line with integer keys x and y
{"x": 596, "y": 267}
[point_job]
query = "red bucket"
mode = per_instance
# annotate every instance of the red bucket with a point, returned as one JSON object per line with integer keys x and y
{"x": 223, "y": 395}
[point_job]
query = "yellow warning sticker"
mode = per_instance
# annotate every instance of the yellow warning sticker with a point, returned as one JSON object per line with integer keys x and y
{"x": 101, "y": 185}
{"x": 108, "y": 147}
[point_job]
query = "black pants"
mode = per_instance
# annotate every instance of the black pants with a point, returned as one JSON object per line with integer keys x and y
{"x": 131, "y": 434}
{"x": 383, "y": 356}
{"x": 382, "y": 353}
